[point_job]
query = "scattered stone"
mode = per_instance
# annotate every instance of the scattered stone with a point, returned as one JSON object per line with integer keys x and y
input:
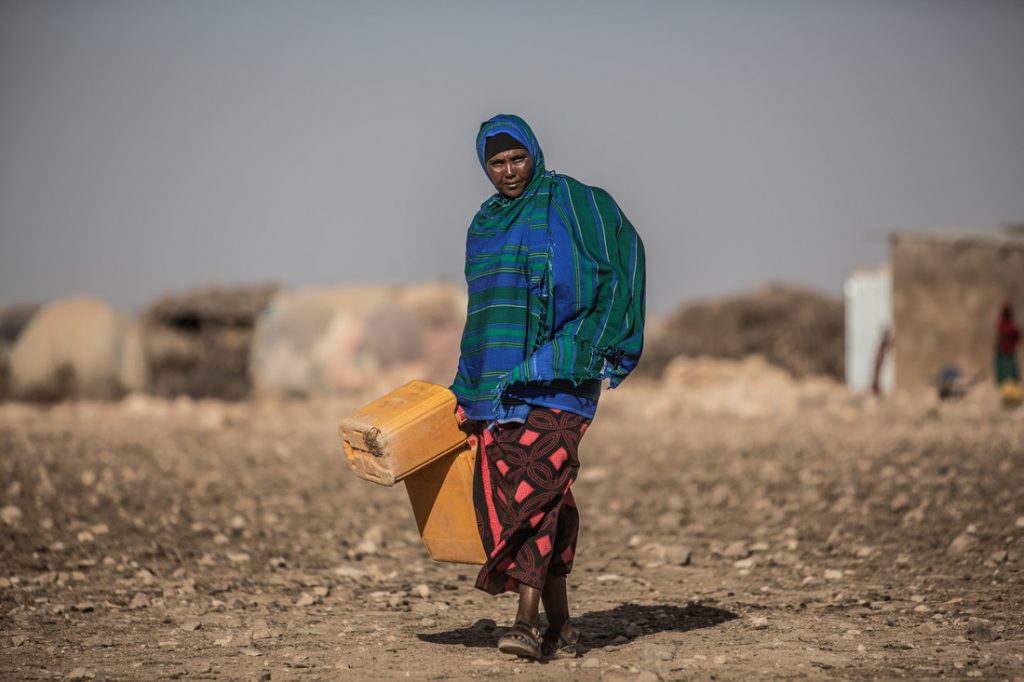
{"x": 900, "y": 502}
{"x": 99, "y": 529}
{"x": 10, "y": 515}
{"x": 84, "y": 607}
{"x": 278, "y": 562}
{"x": 373, "y": 540}
{"x": 18, "y": 640}
{"x": 678, "y": 555}
{"x": 736, "y": 550}
{"x": 833, "y": 574}
{"x": 609, "y": 578}
{"x": 139, "y": 601}
{"x": 349, "y": 572}
{"x": 961, "y": 543}
{"x": 190, "y": 625}
{"x": 999, "y": 556}
{"x": 759, "y": 622}
{"x": 422, "y": 591}
{"x": 261, "y": 630}
{"x": 220, "y": 539}
{"x": 307, "y": 599}
{"x": 658, "y": 652}
{"x": 238, "y": 557}
{"x": 223, "y": 641}
{"x": 915, "y": 516}
{"x": 1020, "y": 522}
{"x": 80, "y": 674}
{"x": 669, "y": 521}
{"x": 675, "y": 502}
{"x": 980, "y": 630}
{"x": 591, "y": 663}
{"x": 98, "y": 641}
{"x": 85, "y": 536}
{"x": 744, "y": 563}
{"x": 237, "y": 523}
{"x": 321, "y": 591}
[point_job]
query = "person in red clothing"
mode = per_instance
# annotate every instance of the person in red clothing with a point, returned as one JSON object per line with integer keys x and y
{"x": 1007, "y": 338}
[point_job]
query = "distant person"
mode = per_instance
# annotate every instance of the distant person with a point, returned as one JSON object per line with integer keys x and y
{"x": 1007, "y": 370}
{"x": 556, "y": 304}
{"x": 884, "y": 346}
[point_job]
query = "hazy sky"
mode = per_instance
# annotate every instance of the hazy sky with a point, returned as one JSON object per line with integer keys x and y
{"x": 148, "y": 146}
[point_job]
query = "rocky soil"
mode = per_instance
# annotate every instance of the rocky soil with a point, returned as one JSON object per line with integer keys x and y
{"x": 835, "y": 538}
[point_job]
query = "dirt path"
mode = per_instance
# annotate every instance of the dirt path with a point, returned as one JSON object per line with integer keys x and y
{"x": 151, "y": 540}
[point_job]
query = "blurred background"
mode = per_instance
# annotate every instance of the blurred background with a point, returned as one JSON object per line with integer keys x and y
{"x": 219, "y": 176}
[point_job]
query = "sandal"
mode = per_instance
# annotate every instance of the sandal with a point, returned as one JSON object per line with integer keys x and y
{"x": 522, "y": 639}
{"x": 566, "y": 640}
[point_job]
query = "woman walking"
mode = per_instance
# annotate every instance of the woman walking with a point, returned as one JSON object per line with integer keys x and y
{"x": 556, "y": 304}
{"x": 1007, "y": 371}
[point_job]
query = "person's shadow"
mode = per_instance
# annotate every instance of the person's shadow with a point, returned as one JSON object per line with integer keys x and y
{"x": 620, "y": 625}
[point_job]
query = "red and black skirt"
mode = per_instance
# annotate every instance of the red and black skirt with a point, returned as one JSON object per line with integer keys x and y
{"x": 524, "y": 505}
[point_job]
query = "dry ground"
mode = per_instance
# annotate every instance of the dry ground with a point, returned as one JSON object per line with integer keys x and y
{"x": 155, "y": 540}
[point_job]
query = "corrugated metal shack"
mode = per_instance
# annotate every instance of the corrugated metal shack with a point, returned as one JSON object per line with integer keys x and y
{"x": 947, "y": 292}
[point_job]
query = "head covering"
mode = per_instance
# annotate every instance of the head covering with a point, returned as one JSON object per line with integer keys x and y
{"x": 517, "y": 129}
{"x": 514, "y": 335}
{"x": 502, "y": 142}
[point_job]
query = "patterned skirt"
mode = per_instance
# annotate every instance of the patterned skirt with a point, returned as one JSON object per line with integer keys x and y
{"x": 524, "y": 506}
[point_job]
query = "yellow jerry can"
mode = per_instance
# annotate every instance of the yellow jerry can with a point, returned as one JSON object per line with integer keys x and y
{"x": 442, "y": 501}
{"x": 401, "y": 432}
{"x": 412, "y": 434}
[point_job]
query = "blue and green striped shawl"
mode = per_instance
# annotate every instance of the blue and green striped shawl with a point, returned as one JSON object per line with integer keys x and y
{"x": 556, "y": 287}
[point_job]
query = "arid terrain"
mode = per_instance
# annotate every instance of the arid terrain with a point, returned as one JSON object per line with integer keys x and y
{"x": 831, "y": 537}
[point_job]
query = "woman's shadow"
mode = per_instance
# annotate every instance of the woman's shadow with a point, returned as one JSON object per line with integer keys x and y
{"x": 620, "y": 625}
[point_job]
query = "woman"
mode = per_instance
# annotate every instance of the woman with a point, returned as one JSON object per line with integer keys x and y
{"x": 1007, "y": 337}
{"x": 556, "y": 304}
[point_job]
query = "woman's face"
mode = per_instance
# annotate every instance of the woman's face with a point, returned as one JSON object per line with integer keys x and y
{"x": 510, "y": 171}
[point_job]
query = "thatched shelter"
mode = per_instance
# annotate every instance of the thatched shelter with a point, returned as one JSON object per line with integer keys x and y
{"x": 14, "y": 317}
{"x": 198, "y": 343}
{"x": 796, "y": 329}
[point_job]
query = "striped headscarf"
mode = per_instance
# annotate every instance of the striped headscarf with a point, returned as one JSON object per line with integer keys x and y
{"x": 523, "y": 326}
